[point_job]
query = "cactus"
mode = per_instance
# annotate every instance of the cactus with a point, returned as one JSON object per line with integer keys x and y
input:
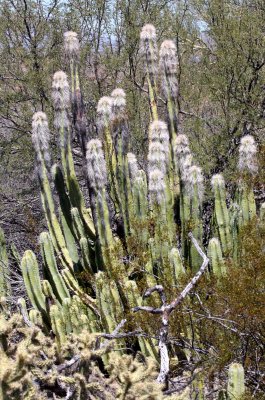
{"x": 216, "y": 259}
{"x": 5, "y": 286}
{"x": 149, "y": 50}
{"x": 98, "y": 259}
{"x": 221, "y": 214}
{"x": 236, "y": 382}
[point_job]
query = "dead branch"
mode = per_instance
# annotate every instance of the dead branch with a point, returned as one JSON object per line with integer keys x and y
{"x": 166, "y": 310}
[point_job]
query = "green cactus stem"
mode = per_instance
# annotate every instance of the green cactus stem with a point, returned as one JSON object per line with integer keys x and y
{"x": 236, "y": 382}
{"x": 221, "y": 213}
{"x": 216, "y": 259}
{"x": 5, "y": 286}
{"x": 51, "y": 268}
{"x": 168, "y": 67}
{"x": 149, "y": 49}
{"x": 31, "y": 277}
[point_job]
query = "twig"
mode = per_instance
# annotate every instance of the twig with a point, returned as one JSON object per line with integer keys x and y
{"x": 166, "y": 310}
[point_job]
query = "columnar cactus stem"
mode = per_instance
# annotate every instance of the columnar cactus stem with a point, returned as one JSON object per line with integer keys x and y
{"x": 236, "y": 382}
{"x": 104, "y": 111}
{"x": 72, "y": 52}
{"x": 178, "y": 270}
{"x": 5, "y": 286}
{"x": 58, "y": 325}
{"x": 248, "y": 167}
{"x": 120, "y": 133}
{"x": 51, "y": 267}
{"x": 149, "y": 48}
{"x": 97, "y": 178}
{"x": 194, "y": 189}
{"x": 221, "y": 213}
{"x": 31, "y": 277}
{"x": 61, "y": 100}
{"x": 168, "y": 67}
{"x": 65, "y": 212}
{"x": 40, "y": 138}
{"x": 216, "y": 259}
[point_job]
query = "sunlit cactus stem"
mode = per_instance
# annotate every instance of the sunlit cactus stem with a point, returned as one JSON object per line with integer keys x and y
{"x": 97, "y": 178}
{"x": 40, "y": 138}
{"x": 168, "y": 68}
{"x": 149, "y": 49}
{"x": 120, "y": 132}
{"x": 104, "y": 112}
{"x": 61, "y": 101}
{"x": 50, "y": 265}
{"x": 31, "y": 277}
{"x": 72, "y": 52}
{"x": 236, "y": 382}
{"x": 216, "y": 259}
{"x": 248, "y": 167}
{"x": 221, "y": 214}
{"x": 194, "y": 189}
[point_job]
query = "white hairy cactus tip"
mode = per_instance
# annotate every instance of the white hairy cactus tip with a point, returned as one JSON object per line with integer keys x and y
{"x": 214, "y": 242}
{"x": 182, "y": 152}
{"x": 40, "y": 131}
{"x": 148, "y": 32}
{"x": 156, "y": 186}
{"x": 248, "y": 155}
{"x": 167, "y": 49}
{"x": 96, "y": 165}
{"x": 159, "y": 132}
{"x": 118, "y": 102}
{"x": 104, "y": 106}
{"x": 181, "y": 144}
{"x": 60, "y": 90}
{"x": 194, "y": 182}
{"x": 157, "y": 158}
{"x": 71, "y": 44}
{"x": 168, "y": 67}
{"x": 217, "y": 180}
{"x": 132, "y": 166}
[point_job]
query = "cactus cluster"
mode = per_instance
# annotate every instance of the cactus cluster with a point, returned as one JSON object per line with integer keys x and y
{"x": 99, "y": 255}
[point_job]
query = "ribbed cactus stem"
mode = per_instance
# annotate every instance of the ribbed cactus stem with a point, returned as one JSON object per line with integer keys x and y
{"x": 248, "y": 155}
{"x": 157, "y": 190}
{"x": 248, "y": 167}
{"x": 194, "y": 190}
{"x": 221, "y": 213}
{"x": 40, "y": 138}
{"x": 120, "y": 134}
{"x": 35, "y": 317}
{"x": 236, "y": 382}
{"x": 168, "y": 68}
{"x": 58, "y": 325}
{"x": 72, "y": 52}
{"x": 5, "y": 286}
{"x": 178, "y": 270}
{"x": 97, "y": 178}
{"x": 61, "y": 103}
{"x": 31, "y": 277}
{"x": 149, "y": 50}
{"x": 104, "y": 301}
{"x": 216, "y": 259}
{"x": 50, "y": 265}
